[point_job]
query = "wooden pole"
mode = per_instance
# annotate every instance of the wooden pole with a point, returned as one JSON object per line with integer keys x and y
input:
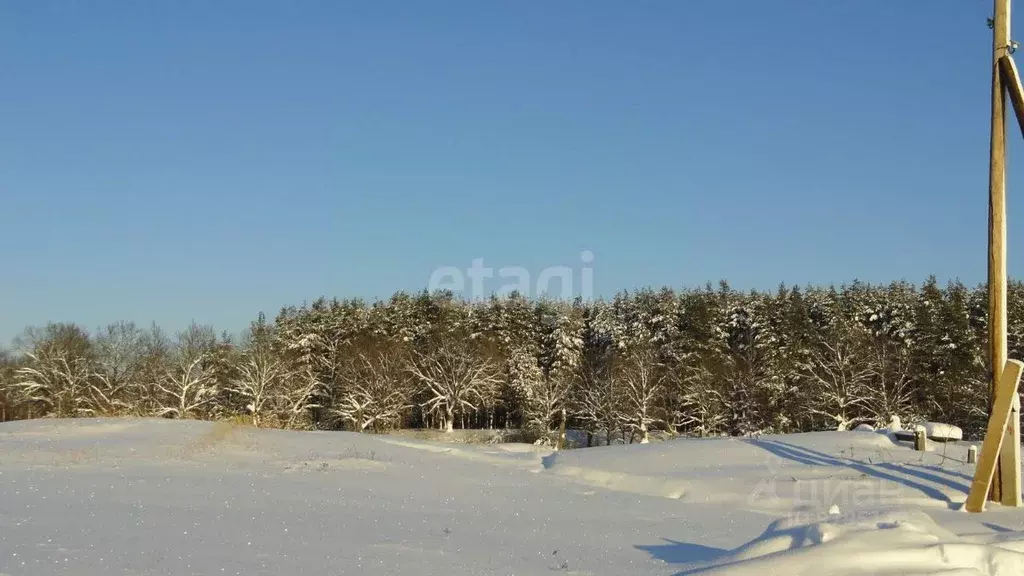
{"x": 997, "y": 217}
{"x": 1010, "y": 480}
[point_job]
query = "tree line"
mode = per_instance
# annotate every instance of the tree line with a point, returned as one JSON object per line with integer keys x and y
{"x": 705, "y": 361}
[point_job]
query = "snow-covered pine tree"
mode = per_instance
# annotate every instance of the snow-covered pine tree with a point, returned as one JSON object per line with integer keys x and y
{"x": 801, "y": 329}
{"x": 696, "y": 382}
{"x": 929, "y": 361}
{"x": 1015, "y": 319}
{"x": 332, "y": 328}
{"x": 509, "y": 325}
{"x": 773, "y": 344}
{"x": 747, "y": 369}
{"x": 887, "y": 314}
{"x": 596, "y": 401}
{"x": 559, "y": 358}
{"x": 961, "y": 393}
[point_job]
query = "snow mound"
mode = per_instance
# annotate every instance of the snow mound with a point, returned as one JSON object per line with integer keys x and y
{"x": 940, "y": 431}
{"x": 623, "y": 482}
{"x": 882, "y": 544}
{"x": 936, "y": 431}
{"x": 864, "y": 428}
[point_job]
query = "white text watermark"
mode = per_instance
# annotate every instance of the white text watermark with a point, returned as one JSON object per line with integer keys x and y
{"x": 551, "y": 281}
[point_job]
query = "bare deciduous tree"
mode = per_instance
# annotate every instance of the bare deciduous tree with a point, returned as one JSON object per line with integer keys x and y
{"x": 838, "y": 374}
{"x": 261, "y": 375}
{"x": 642, "y": 383}
{"x": 599, "y": 403}
{"x": 189, "y": 386}
{"x": 261, "y": 372}
{"x": 376, "y": 389}
{"x": 295, "y": 400}
{"x": 888, "y": 373}
{"x": 120, "y": 355}
{"x": 457, "y": 379}
{"x": 702, "y": 408}
{"x": 56, "y": 379}
{"x": 548, "y": 400}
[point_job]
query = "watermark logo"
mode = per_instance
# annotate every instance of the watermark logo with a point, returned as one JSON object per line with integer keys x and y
{"x": 843, "y": 489}
{"x": 562, "y": 282}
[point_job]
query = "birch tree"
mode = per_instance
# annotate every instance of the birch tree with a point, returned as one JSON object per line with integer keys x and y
{"x": 642, "y": 384}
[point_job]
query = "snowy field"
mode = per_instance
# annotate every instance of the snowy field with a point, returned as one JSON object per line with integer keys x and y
{"x": 106, "y": 497}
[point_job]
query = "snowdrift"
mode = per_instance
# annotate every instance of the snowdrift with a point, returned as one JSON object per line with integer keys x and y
{"x": 889, "y": 544}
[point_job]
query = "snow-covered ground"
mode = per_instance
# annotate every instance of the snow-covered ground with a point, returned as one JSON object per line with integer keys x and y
{"x": 103, "y": 497}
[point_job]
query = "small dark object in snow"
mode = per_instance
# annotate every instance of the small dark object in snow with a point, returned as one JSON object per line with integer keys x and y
{"x": 904, "y": 435}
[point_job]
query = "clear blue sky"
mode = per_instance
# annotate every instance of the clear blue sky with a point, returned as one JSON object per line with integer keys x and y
{"x": 179, "y": 160}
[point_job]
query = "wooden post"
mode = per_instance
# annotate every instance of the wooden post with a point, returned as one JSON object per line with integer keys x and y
{"x": 920, "y": 440}
{"x": 1009, "y": 457}
{"x": 997, "y": 278}
{"x": 995, "y": 432}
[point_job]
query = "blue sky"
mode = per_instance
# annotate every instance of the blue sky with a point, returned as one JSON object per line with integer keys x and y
{"x": 184, "y": 160}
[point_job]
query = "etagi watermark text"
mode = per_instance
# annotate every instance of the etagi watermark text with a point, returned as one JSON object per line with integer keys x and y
{"x": 517, "y": 279}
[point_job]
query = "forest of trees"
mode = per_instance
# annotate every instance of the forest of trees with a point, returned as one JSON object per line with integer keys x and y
{"x": 705, "y": 361}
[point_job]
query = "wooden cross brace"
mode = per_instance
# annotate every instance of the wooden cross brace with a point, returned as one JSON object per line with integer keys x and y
{"x": 998, "y": 422}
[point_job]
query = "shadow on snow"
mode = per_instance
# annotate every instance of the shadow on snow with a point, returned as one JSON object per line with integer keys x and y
{"x": 923, "y": 478}
{"x": 911, "y": 476}
{"x": 673, "y": 552}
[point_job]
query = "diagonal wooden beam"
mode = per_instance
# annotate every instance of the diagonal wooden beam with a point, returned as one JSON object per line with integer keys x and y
{"x": 999, "y": 419}
{"x": 1011, "y": 81}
